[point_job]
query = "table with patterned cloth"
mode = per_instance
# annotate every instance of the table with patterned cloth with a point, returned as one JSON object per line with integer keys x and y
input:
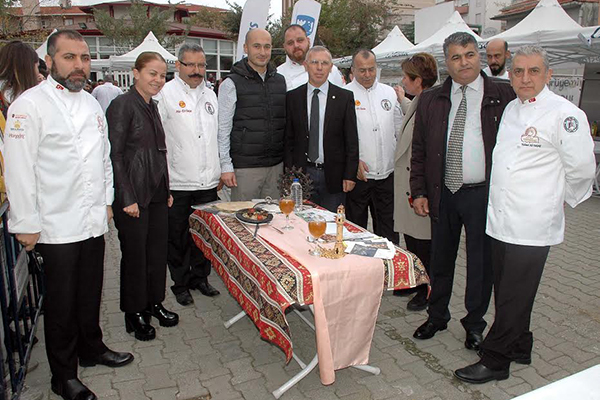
{"x": 265, "y": 279}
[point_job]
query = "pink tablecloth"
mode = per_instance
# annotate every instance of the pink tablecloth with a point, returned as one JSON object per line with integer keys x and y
{"x": 268, "y": 273}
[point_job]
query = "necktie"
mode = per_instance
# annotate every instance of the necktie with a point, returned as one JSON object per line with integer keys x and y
{"x": 454, "y": 167}
{"x": 313, "y": 137}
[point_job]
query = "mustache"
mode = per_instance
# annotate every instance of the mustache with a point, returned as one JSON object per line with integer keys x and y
{"x": 196, "y": 76}
{"x": 76, "y": 72}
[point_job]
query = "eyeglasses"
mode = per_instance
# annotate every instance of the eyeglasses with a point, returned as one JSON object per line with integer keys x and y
{"x": 192, "y": 65}
{"x": 323, "y": 63}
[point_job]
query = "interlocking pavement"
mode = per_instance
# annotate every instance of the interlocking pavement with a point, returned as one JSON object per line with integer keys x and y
{"x": 200, "y": 359}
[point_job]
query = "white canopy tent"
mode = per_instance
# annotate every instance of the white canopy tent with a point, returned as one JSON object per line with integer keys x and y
{"x": 394, "y": 41}
{"x": 150, "y": 43}
{"x": 549, "y": 26}
{"x": 432, "y": 45}
{"x": 43, "y": 49}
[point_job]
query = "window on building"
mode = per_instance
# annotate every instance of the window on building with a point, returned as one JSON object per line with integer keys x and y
{"x": 91, "y": 42}
{"x": 68, "y": 21}
{"x": 210, "y": 46}
{"x": 45, "y": 23}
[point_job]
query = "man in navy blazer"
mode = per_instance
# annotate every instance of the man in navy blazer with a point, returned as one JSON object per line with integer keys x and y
{"x": 321, "y": 135}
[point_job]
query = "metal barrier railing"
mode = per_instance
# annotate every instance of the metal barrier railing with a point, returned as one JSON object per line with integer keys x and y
{"x": 21, "y": 298}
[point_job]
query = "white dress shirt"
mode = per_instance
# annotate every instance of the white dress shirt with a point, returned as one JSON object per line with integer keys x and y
{"x": 295, "y": 74}
{"x": 504, "y": 75}
{"x": 105, "y": 94}
{"x": 378, "y": 117}
{"x": 323, "y": 90}
{"x": 58, "y": 171}
{"x": 191, "y": 120}
{"x": 473, "y": 149}
{"x": 544, "y": 156}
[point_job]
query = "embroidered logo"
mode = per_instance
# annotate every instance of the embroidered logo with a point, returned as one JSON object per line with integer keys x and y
{"x": 386, "y": 104}
{"x": 357, "y": 103}
{"x": 182, "y": 104}
{"x": 17, "y": 125}
{"x": 571, "y": 124}
{"x": 530, "y": 136}
{"x": 60, "y": 87}
{"x": 209, "y": 108}
{"x": 531, "y": 100}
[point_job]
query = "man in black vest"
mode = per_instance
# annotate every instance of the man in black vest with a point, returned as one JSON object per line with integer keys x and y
{"x": 252, "y": 122}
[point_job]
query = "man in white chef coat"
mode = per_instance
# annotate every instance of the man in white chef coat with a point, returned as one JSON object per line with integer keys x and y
{"x": 378, "y": 117}
{"x": 296, "y": 44}
{"x": 188, "y": 110}
{"x": 60, "y": 187}
{"x": 544, "y": 156}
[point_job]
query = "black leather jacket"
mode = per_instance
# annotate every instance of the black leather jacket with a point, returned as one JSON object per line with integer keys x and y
{"x": 138, "y": 149}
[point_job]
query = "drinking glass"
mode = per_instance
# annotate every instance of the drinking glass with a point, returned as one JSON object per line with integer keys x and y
{"x": 317, "y": 228}
{"x": 286, "y": 205}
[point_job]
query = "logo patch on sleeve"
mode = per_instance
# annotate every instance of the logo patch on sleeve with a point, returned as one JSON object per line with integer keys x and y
{"x": 571, "y": 124}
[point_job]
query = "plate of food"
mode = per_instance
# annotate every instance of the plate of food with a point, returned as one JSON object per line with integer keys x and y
{"x": 254, "y": 215}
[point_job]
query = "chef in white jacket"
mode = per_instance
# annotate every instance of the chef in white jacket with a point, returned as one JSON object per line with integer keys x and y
{"x": 189, "y": 113}
{"x": 60, "y": 187}
{"x": 296, "y": 44}
{"x": 378, "y": 118}
{"x": 544, "y": 157}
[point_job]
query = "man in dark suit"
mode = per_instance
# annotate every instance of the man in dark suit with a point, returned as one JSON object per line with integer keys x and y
{"x": 321, "y": 135}
{"x": 455, "y": 131}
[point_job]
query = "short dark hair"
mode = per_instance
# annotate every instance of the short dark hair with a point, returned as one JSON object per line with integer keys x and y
{"x": 462, "y": 39}
{"x": 421, "y": 65}
{"x": 67, "y": 33}
{"x": 364, "y": 53}
{"x": 292, "y": 26}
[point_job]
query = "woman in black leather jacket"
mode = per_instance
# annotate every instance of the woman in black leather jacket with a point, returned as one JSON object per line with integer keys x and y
{"x": 138, "y": 154}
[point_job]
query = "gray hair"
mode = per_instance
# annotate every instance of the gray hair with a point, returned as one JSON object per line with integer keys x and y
{"x": 462, "y": 39}
{"x": 532, "y": 50}
{"x": 317, "y": 49}
{"x": 189, "y": 47}
{"x": 109, "y": 78}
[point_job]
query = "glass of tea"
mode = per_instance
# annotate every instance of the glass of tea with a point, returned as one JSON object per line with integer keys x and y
{"x": 317, "y": 228}
{"x": 286, "y": 205}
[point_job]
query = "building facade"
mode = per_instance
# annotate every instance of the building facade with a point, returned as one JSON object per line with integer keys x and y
{"x": 584, "y": 12}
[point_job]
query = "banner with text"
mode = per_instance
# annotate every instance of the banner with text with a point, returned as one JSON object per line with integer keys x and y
{"x": 255, "y": 15}
{"x": 306, "y": 14}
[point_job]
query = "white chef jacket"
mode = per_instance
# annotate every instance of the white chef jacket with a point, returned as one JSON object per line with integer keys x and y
{"x": 190, "y": 120}
{"x": 105, "y": 94}
{"x": 488, "y": 72}
{"x": 295, "y": 74}
{"x": 544, "y": 156}
{"x": 58, "y": 171}
{"x": 378, "y": 117}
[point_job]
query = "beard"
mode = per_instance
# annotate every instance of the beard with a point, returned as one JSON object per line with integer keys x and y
{"x": 74, "y": 81}
{"x": 298, "y": 56}
{"x": 497, "y": 68}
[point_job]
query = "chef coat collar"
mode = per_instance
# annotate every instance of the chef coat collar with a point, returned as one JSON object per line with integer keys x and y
{"x": 369, "y": 89}
{"x": 187, "y": 88}
{"x": 541, "y": 95}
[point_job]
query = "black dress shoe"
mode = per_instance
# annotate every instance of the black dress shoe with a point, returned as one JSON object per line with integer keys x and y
{"x": 428, "y": 330}
{"x": 109, "y": 358}
{"x": 184, "y": 298}
{"x": 206, "y": 289}
{"x": 136, "y": 323}
{"x": 72, "y": 389}
{"x": 419, "y": 302}
{"x": 473, "y": 340}
{"x": 479, "y": 373}
{"x": 165, "y": 317}
{"x": 404, "y": 292}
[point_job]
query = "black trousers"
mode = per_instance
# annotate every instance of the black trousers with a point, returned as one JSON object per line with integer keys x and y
{"x": 517, "y": 274}
{"x": 379, "y": 194}
{"x": 467, "y": 207}
{"x": 422, "y": 249}
{"x": 143, "y": 255}
{"x": 73, "y": 276}
{"x": 321, "y": 195}
{"x": 187, "y": 263}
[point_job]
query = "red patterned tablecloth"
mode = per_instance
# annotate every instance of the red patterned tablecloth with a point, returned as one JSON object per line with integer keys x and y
{"x": 265, "y": 280}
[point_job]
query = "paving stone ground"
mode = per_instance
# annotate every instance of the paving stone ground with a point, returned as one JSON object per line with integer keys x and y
{"x": 200, "y": 359}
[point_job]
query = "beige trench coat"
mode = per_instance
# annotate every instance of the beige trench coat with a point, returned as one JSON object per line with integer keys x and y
{"x": 405, "y": 219}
